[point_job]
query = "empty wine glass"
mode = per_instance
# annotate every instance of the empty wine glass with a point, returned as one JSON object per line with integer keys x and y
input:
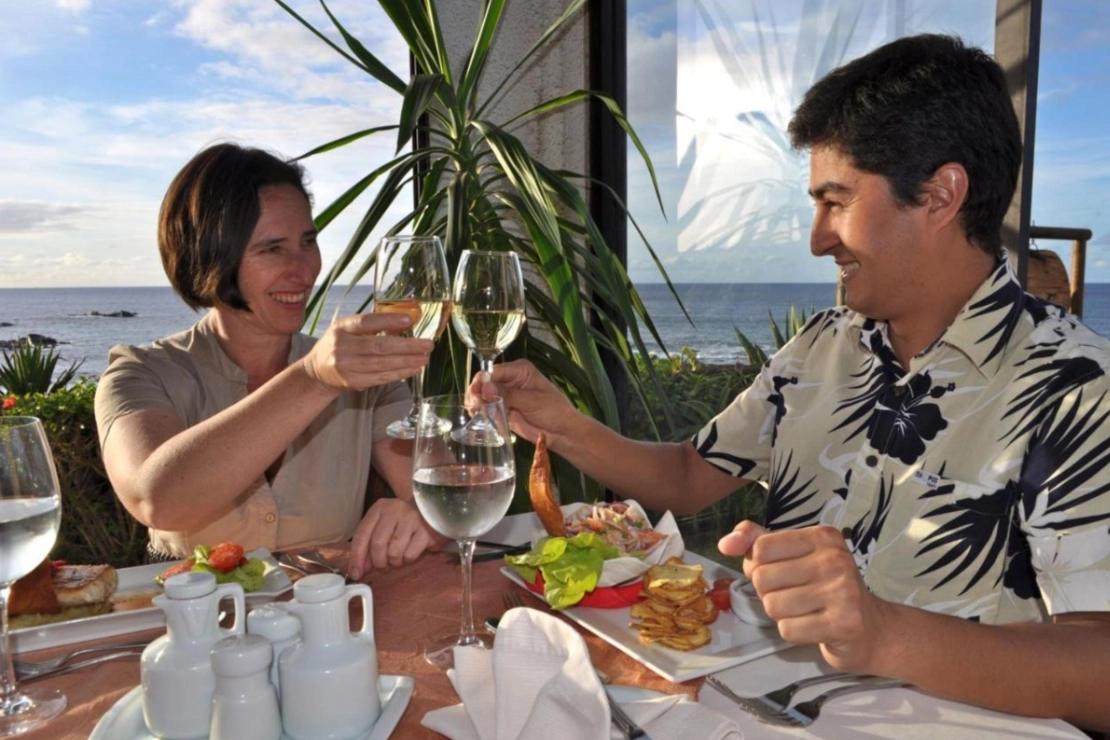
{"x": 462, "y": 490}
{"x": 30, "y": 514}
{"x": 411, "y": 277}
{"x": 487, "y": 312}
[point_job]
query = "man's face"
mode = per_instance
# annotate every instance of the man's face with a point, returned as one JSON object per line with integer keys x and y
{"x": 876, "y": 243}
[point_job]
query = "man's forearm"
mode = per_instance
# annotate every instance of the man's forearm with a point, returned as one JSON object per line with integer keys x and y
{"x": 1038, "y": 670}
{"x": 659, "y": 475}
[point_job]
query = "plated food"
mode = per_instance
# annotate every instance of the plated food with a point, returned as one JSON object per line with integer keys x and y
{"x": 56, "y": 592}
{"x": 675, "y": 611}
{"x": 227, "y": 561}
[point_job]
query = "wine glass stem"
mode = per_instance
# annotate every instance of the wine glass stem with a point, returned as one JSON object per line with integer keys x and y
{"x": 486, "y": 365}
{"x": 466, "y": 556}
{"x": 7, "y": 670}
{"x": 417, "y": 385}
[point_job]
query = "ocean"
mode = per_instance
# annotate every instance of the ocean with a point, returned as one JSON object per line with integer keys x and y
{"x": 66, "y": 314}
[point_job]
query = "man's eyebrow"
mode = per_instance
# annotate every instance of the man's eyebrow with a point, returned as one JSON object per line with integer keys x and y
{"x": 826, "y": 187}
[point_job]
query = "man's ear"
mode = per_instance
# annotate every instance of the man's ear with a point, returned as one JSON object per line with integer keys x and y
{"x": 946, "y": 192}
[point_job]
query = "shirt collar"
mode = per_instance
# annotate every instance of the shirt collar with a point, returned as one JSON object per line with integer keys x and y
{"x": 982, "y": 329}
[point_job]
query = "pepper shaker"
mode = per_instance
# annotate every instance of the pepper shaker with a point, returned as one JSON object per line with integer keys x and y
{"x": 281, "y": 628}
{"x": 245, "y": 706}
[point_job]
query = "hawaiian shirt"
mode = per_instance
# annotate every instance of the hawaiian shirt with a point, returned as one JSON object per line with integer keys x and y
{"x": 974, "y": 483}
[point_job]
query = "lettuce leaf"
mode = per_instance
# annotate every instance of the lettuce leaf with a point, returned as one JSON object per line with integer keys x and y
{"x": 571, "y": 567}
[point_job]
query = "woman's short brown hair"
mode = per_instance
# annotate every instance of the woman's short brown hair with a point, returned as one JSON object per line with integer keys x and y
{"x": 208, "y": 216}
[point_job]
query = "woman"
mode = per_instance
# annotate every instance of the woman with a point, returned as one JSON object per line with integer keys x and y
{"x": 241, "y": 428}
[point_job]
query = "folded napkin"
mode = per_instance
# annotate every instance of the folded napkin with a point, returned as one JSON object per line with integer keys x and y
{"x": 538, "y": 684}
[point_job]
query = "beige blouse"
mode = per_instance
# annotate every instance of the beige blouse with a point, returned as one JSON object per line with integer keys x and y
{"x": 318, "y": 494}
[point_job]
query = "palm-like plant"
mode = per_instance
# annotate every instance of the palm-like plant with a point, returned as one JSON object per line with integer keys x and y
{"x": 30, "y": 369}
{"x": 479, "y": 187}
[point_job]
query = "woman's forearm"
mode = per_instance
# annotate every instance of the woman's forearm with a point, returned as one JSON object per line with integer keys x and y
{"x": 197, "y": 473}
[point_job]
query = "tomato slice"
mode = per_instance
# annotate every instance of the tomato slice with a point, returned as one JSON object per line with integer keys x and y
{"x": 721, "y": 599}
{"x": 722, "y": 584}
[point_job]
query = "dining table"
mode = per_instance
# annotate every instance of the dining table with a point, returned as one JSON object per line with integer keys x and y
{"x": 422, "y": 599}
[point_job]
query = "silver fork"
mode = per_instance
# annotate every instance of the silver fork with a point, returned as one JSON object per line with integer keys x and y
{"x": 775, "y": 702}
{"x": 68, "y": 667}
{"x": 25, "y": 668}
{"x": 804, "y": 713}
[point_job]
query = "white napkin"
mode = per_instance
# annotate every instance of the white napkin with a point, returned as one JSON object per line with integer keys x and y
{"x": 538, "y": 684}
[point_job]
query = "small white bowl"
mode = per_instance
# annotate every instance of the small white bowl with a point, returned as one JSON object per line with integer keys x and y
{"x": 746, "y": 604}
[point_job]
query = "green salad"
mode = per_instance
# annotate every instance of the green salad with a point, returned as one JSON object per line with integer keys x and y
{"x": 571, "y": 566}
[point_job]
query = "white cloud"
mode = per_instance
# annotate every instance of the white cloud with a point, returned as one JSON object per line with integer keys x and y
{"x": 76, "y": 6}
{"x": 18, "y": 217}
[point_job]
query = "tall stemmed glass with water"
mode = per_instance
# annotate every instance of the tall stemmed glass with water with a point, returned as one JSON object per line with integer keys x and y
{"x": 487, "y": 312}
{"x": 462, "y": 491}
{"x": 411, "y": 277}
{"x": 30, "y": 514}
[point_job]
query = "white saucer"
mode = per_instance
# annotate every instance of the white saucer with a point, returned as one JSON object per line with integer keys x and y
{"x": 124, "y": 721}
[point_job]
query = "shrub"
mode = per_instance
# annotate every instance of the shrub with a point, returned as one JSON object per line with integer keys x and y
{"x": 95, "y": 526}
{"x": 698, "y": 393}
{"x": 30, "y": 369}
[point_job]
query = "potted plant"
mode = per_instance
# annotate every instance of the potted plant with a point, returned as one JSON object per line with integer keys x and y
{"x": 479, "y": 187}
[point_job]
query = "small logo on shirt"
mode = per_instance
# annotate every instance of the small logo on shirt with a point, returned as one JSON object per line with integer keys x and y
{"x": 929, "y": 480}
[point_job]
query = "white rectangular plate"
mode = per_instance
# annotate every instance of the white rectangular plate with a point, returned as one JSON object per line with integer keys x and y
{"x": 136, "y": 580}
{"x": 734, "y": 642}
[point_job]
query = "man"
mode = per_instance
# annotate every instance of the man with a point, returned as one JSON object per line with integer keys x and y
{"x": 936, "y": 451}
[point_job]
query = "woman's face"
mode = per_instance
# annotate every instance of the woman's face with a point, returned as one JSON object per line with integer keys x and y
{"x": 281, "y": 262}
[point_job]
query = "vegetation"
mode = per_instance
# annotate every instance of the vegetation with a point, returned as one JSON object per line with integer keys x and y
{"x": 794, "y": 322}
{"x": 95, "y": 526}
{"x": 479, "y": 187}
{"x": 30, "y": 369}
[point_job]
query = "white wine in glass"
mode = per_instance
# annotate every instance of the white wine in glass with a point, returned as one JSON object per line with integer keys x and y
{"x": 30, "y": 515}
{"x": 487, "y": 312}
{"x": 411, "y": 277}
{"x": 462, "y": 490}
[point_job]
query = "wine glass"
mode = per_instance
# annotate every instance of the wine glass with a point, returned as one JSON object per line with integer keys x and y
{"x": 410, "y": 276}
{"x": 30, "y": 514}
{"x": 487, "y": 312}
{"x": 462, "y": 490}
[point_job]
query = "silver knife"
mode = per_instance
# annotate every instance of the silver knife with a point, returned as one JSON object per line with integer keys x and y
{"x": 623, "y": 722}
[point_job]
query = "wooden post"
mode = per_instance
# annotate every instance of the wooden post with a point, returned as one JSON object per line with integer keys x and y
{"x": 1078, "y": 267}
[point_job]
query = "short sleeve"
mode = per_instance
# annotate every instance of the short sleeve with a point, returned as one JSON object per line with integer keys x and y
{"x": 738, "y": 441}
{"x": 1065, "y": 500}
{"x": 392, "y": 404}
{"x": 128, "y": 385}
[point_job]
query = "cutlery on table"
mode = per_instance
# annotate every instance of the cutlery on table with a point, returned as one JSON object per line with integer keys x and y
{"x": 775, "y": 702}
{"x": 767, "y": 708}
{"x": 624, "y": 723}
{"x": 69, "y": 667}
{"x": 498, "y": 550}
{"x": 26, "y": 668}
{"x": 300, "y": 561}
{"x": 804, "y": 713}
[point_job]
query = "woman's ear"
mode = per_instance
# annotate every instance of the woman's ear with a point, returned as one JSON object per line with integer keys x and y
{"x": 946, "y": 192}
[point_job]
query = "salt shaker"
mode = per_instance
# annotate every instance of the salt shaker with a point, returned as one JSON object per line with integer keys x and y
{"x": 176, "y": 669}
{"x": 245, "y": 706}
{"x": 281, "y": 628}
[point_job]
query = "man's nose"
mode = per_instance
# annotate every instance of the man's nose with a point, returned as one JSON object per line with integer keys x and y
{"x": 822, "y": 237}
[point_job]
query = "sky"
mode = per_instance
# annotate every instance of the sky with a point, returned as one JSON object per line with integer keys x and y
{"x": 102, "y": 102}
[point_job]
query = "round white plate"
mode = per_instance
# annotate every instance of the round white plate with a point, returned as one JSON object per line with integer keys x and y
{"x": 124, "y": 721}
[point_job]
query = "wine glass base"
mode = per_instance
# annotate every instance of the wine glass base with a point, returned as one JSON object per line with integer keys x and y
{"x": 29, "y": 709}
{"x": 406, "y": 428}
{"x": 440, "y": 651}
{"x": 477, "y": 435}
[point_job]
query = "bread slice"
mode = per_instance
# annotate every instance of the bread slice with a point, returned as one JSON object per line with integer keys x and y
{"x": 34, "y": 593}
{"x": 80, "y": 585}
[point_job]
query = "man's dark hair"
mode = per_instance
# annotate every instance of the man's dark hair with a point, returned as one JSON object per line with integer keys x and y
{"x": 909, "y": 107}
{"x": 208, "y": 216}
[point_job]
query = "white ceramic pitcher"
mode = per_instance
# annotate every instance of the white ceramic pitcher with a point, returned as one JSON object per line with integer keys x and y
{"x": 329, "y": 682}
{"x": 177, "y": 678}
